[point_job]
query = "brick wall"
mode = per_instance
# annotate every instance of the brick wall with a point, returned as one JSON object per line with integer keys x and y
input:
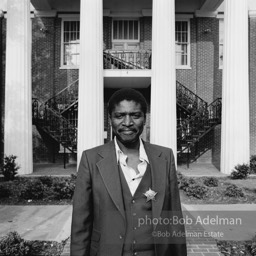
{"x": 252, "y": 65}
{"x": 146, "y": 33}
{"x": 107, "y": 34}
{"x": 207, "y": 57}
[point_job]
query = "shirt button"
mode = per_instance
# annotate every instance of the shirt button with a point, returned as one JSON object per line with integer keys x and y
{"x": 134, "y": 241}
{"x": 120, "y": 237}
{"x": 134, "y": 228}
{"x": 133, "y": 201}
{"x": 135, "y": 253}
{"x": 134, "y": 214}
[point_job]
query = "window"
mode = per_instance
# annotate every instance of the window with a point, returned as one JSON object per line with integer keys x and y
{"x": 182, "y": 40}
{"x": 126, "y": 30}
{"x": 70, "y": 43}
{"x": 221, "y": 40}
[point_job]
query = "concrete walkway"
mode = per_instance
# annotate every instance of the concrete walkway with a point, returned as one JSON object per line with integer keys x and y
{"x": 47, "y": 222}
{"x": 52, "y": 223}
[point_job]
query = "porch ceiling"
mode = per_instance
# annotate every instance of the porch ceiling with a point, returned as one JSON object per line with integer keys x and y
{"x": 122, "y": 82}
{"x": 124, "y": 5}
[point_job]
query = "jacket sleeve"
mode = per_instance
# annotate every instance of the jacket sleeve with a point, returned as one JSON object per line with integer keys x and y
{"x": 179, "y": 247}
{"x": 82, "y": 217}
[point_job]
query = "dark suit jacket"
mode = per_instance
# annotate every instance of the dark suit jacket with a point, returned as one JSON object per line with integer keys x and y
{"x": 98, "y": 221}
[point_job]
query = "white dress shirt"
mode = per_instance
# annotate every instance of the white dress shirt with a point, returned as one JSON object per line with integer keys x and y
{"x": 133, "y": 177}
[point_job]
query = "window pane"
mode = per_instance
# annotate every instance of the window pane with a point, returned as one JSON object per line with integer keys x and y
{"x": 130, "y": 29}
{"x": 71, "y": 47}
{"x": 120, "y": 30}
{"x": 181, "y": 38}
{"x": 126, "y": 29}
{"x": 115, "y": 30}
{"x": 136, "y": 30}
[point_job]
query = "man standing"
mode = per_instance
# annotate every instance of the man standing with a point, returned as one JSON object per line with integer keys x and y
{"x": 125, "y": 191}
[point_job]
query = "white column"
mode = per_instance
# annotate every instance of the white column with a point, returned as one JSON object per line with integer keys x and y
{"x": 90, "y": 107}
{"x": 18, "y": 113}
{"x": 163, "y": 82}
{"x": 235, "y": 93}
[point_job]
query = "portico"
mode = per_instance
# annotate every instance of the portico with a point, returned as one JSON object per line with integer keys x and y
{"x": 235, "y": 138}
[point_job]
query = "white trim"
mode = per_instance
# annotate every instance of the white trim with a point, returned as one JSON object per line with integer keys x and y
{"x": 1, "y": 13}
{"x": 252, "y": 14}
{"x": 183, "y": 67}
{"x": 188, "y": 65}
{"x": 220, "y": 16}
{"x": 68, "y": 67}
{"x": 67, "y": 18}
{"x": 45, "y": 13}
{"x": 127, "y": 73}
{"x": 126, "y": 14}
{"x": 202, "y": 14}
{"x": 146, "y": 12}
{"x": 184, "y": 16}
{"x": 31, "y": 15}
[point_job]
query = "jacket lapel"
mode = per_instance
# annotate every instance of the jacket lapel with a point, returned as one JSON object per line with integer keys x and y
{"x": 158, "y": 171}
{"x": 109, "y": 171}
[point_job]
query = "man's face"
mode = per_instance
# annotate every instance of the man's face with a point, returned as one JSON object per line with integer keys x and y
{"x": 127, "y": 120}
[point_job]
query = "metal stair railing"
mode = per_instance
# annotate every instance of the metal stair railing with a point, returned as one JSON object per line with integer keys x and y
{"x": 189, "y": 101}
{"x": 65, "y": 99}
{"x": 54, "y": 124}
{"x": 127, "y": 59}
{"x": 192, "y": 129}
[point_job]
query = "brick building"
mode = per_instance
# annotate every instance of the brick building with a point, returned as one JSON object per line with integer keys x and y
{"x": 200, "y": 96}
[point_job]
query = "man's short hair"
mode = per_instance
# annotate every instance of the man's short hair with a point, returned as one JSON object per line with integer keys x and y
{"x": 128, "y": 94}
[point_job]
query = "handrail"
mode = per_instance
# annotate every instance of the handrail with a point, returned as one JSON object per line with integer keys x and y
{"x": 53, "y": 123}
{"x": 195, "y": 126}
{"x": 64, "y": 89}
{"x": 189, "y": 100}
{"x": 127, "y": 59}
{"x": 65, "y": 98}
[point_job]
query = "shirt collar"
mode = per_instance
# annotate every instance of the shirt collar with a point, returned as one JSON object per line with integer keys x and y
{"x": 142, "y": 152}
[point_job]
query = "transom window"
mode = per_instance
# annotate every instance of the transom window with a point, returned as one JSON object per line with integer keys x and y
{"x": 182, "y": 40}
{"x": 125, "y": 30}
{"x": 71, "y": 43}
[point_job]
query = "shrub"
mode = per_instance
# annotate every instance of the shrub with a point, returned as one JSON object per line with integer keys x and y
{"x": 4, "y": 191}
{"x": 63, "y": 189}
{"x": 13, "y": 245}
{"x": 9, "y": 168}
{"x": 253, "y": 164}
{"x": 233, "y": 191}
{"x": 251, "y": 246}
{"x": 241, "y": 171}
{"x": 186, "y": 182}
{"x": 196, "y": 190}
{"x": 211, "y": 182}
{"x": 46, "y": 180}
{"x": 32, "y": 189}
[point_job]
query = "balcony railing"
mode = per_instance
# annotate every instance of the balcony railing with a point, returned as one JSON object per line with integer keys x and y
{"x": 127, "y": 59}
